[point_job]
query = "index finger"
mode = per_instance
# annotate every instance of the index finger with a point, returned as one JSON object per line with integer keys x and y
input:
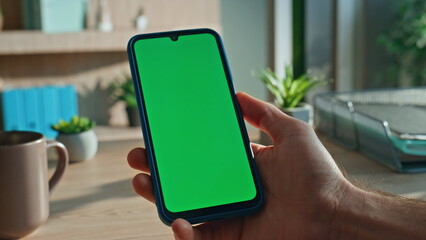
{"x": 137, "y": 159}
{"x": 264, "y": 116}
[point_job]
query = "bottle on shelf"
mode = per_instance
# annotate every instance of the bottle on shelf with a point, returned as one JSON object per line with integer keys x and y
{"x": 104, "y": 17}
{"x": 141, "y": 20}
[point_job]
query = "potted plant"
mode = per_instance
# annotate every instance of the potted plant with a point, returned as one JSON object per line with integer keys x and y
{"x": 79, "y": 138}
{"x": 124, "y": 91}
{"x": 405, "y": 43}
{"x": 288, "y": 92}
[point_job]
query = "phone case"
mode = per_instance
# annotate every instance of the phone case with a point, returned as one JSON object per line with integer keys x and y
{"x": 211, "y": 213}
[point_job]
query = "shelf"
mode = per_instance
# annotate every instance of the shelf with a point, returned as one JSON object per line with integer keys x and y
{"x": 36, "y": 42}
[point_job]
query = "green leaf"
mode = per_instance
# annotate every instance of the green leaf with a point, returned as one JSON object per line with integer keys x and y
{"x": 75, "y": 125}
{"x": 124, "y": 91}
{"x": 287, "y": 91}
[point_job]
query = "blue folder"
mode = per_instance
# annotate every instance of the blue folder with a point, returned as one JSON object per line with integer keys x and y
{"x": 31, "y": 109}
{"x": 13, "y": 113}
{"x": 37, "y": 109}
{"x": 50, "y": 110}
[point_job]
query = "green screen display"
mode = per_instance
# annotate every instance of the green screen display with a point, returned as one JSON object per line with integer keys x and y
{"x": 198, "y": 146}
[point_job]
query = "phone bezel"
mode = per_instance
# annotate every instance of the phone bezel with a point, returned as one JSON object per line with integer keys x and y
{"x": 203, "y": 214}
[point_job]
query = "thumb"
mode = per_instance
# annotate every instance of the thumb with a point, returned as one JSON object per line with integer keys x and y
{"x": 264, "y": 116}
{"x": 182, "y": 230}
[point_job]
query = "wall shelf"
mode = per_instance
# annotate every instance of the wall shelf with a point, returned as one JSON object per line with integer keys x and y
{"x": 90, "y": 60}
{"x": 21, "y": 42}
{"x": 37, "y": 42}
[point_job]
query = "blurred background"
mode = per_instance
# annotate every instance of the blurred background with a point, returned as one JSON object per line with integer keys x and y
{"x": 358, "y": 44}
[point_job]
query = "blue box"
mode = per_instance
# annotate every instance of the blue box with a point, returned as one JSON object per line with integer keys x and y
{"x": 38, "y": 108}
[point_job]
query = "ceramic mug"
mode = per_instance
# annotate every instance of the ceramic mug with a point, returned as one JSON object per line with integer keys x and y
{"x": 24, "y": 184}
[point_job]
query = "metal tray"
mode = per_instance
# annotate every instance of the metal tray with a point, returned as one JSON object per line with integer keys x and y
{"x": 388, "y": 125}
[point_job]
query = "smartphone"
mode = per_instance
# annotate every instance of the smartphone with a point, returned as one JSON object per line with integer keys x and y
{"x": 199, "y": 154}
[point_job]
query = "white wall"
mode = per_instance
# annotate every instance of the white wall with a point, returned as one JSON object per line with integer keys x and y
{"x": 283, "y": 35}
{"x": 348, "y": 13}
{"x": 319, "y": 42}
{"x": 360, "y": 60}
{"x": 318, "y": 36}
{"x": 245, "y": 36}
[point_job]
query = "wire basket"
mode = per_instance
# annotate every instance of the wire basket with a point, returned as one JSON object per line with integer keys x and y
{"x": 388, "y": 125}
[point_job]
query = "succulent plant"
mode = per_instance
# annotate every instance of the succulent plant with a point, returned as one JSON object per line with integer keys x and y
{"x": 124, "y": 91}
{"x": 287, "y": 91}
{"x": 75, "y": 125}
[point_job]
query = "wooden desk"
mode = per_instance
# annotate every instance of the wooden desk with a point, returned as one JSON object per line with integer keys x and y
{"x": 376, "y": 176}
{"x": 95, "y": 199}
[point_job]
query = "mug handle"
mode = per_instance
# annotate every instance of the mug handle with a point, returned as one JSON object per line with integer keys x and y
{"x": 61, "y": 165}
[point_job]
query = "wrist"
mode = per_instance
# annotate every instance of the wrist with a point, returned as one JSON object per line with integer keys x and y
{"x": 346, "y": 220}
{"x": 364, "y": 214}
{"x": 327, "y": 224}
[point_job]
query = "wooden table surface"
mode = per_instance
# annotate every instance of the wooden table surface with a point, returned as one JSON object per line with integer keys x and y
{"x": 95, "y": 199}
{"x": 376, "y": 176}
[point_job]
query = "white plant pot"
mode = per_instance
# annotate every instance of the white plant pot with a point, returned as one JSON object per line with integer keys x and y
{"x": 303, "y": 112}
{"x": 81, "y": 146}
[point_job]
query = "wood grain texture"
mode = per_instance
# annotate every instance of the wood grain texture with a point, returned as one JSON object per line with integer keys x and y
{"x": 90, "y": 59}
{"x": 95, "y": 199}
{"x": 37, "y": 42}
{"x": 12, "y": 14}
{"x": 165, "y": 12}
{"x": 90, "y": 73}
{"x": 373, "y": 175}
{"x": 161, "y": 13}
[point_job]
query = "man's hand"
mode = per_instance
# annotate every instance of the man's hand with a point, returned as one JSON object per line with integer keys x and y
{"x": 302, "y": 184}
